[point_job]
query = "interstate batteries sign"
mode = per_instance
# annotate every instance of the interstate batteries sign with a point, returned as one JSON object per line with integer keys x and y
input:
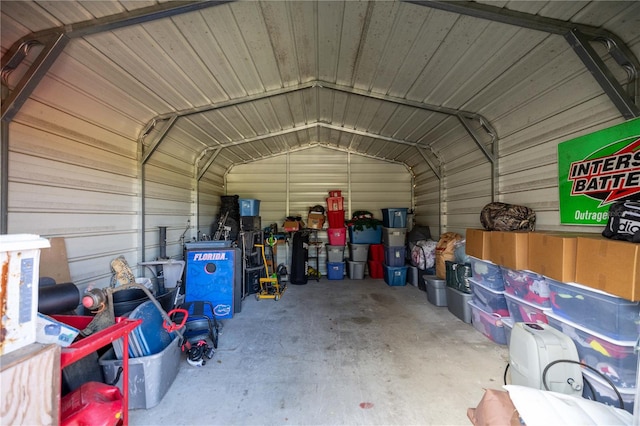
{"x": 596, "y": 170}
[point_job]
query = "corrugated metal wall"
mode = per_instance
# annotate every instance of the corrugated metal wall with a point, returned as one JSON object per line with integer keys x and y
{"x": 288, "y": 185}
{"x": 71, "y": 178}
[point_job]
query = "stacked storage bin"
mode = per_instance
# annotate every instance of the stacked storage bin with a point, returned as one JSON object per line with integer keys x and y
{"x": 527, "y": 295}
{"x": 604, "y": 329}
{"x": 488, "y": 304}
{"x": 358, "y": 254}
{"x": 337, "y": 234}
{"x": 376, "y": 259}
{"x": 458, "y": 289}
{"x": 394, "y": 233}
{"x": 250, "y": 214}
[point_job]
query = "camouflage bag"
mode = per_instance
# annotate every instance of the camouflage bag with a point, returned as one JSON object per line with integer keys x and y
{"x": 507, "y": 217}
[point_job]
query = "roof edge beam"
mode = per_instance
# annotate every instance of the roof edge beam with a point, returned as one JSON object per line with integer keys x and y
{"x": 58, "y": 37}
{"x": 577, "y": 35}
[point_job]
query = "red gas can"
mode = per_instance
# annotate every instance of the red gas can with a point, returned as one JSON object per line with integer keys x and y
{"x": 94, "y": 404}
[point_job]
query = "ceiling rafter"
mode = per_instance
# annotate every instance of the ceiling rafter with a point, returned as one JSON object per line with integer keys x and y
{"x": 462, "y": 115}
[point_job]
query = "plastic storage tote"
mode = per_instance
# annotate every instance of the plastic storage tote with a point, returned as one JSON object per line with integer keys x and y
{"x": 375, "y": 269}
{"x": 523, "y": 311}
{"x": 395, "y": 275}
{"x": 335, "y": 204}
{"x": 358, "y": 252}
{"x": 249, "y": 207}
{"x": 149, "y": 376}
{"x": 394, "y": 236}
{"x": 605, "y": 394}
{"x": 365, "y": 235}
{"x": 337, "y": 236}
{"x": 488, "y": 299}
{"x": 356, "y": 269}
{"x": 335, "y": 270}
{"x": 395, "y": 256}
{"x": 457, "y": 304}
{"x": 394, "y": 218}
{"x": 526, "y": 285}
{"x": 601, "y": 312}
{"x": 335, "y": 253}
{"x": 376, "y": 252}
{"x": 436, "y": 291}
{"x": 616, "y": 359}
{"x": 488, "y": 324}
{"x": 487, "y": 273}
{"x": 507, "y": 322}
{"x": 336, "y": 218}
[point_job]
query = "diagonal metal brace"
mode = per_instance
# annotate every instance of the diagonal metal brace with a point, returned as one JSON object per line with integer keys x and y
{"x": 624, "y": 101}
{"x": 52, "y": 48}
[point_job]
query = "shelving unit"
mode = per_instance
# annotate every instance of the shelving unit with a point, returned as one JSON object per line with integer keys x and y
{"x": 315, "y": 245}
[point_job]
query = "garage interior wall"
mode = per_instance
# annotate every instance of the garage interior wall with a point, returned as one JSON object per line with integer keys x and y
{"x": 359, "y": 85}
{"x": 290, "y": 184}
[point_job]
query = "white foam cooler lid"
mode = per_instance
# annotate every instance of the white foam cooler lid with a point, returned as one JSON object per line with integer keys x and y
{"x": 15, "y": 242}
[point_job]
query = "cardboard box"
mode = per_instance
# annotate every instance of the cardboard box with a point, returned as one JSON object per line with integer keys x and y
{"x": 477, "y": 243}
{"x": 509, "y": 249}
{"x": 609, "y": 265}
{"x": 291, "y": 226}
{"x": 553, "y": 255}
{"x": 315, "y": 221}
{"x": 49, "y": 330}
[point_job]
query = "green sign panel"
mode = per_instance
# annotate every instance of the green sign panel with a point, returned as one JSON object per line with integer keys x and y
{"x": 596, "y": 170}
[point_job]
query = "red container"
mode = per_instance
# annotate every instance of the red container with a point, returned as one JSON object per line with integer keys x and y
{"x": 335, "y": 204}
{"x": 335, "y": 193}
{"x": 376, "y": 252}
{"x": 337, "y": 236}
{"x": 336, "y": 218}
{"x": 375, "y": 269}
{"x": 93, "y": 403}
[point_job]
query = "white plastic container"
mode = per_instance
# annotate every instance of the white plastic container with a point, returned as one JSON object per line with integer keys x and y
{"x": 20, "y": 262}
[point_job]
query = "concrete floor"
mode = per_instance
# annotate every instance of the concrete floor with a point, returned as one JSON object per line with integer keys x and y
{"x": 348, "y": 352}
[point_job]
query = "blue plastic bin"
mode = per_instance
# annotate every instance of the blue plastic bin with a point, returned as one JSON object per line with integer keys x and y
{"x": 366, "y": 235}
{"x": 249, "y": 207}
{"x": 395, "y": 255}
{"x": 394, "y": 218}
{"x": 335, "y": 270}
{"x": 395, "y": 275}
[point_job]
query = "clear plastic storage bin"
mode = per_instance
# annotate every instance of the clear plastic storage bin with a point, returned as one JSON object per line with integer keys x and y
{"x": 487, "y": 273}
{"x": 523, "y": 311}
{"x": 612, "y": 316}
{"x": 488, "y": 324}
{"x": 488, "y": 299}
{"x": 616, "y": 359}
{"x": 526, "y": 285}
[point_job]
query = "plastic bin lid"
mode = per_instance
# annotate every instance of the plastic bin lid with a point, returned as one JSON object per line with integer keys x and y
{"x": 484, "y": 287}
{"x": 14, "y": 242}
{"x": 584, "y": 329}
